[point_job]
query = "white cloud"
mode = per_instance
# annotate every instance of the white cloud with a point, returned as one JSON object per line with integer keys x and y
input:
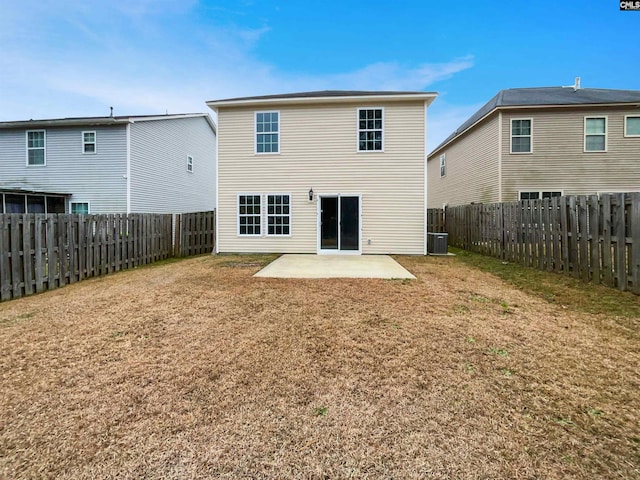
{"x": 123, "y": 55}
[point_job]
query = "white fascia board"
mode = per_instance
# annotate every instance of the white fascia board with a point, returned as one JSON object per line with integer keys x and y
{"x": 537, "y": 107}
{"x": 427, "y": 97}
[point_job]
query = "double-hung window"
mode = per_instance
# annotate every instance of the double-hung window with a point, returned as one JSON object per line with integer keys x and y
{"x": 36, "y": 147}
{"x": 278, "y": 214}
{"x": 443, "y": 165}
{"x": 267, "y": 132}
{"x": 632, "y": 126}
{"x": 521, "y": 135}
{"x": 370, "y": 129}
{"x": 249, "y": 217}
{"x": 595, "y": 134}
{"x": 88, "y": 142}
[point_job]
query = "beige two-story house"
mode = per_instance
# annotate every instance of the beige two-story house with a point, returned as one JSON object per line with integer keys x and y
{"x": 529, "y": 143}
{"x": 329, "y": 172}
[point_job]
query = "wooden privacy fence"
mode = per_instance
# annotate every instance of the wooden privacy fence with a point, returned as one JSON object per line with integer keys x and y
{"x": 42, "y": 252}
{"x": 195, "y": 233}
{"x": 435, "y": 220}
{"x": 589, "y": 237}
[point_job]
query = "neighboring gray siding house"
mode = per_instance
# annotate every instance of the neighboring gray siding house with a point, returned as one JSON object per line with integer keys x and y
{"x": 528, "y": 143}
{"x": 135, "y": 164}
{"x": 339, "y": 172}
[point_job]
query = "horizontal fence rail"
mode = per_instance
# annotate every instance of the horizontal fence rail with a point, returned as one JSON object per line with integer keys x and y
{"x": 41, "y": 252}
{"x": 594, "y": 238}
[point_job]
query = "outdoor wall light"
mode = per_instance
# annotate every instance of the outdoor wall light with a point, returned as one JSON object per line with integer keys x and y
{"x": 311, "y": 194}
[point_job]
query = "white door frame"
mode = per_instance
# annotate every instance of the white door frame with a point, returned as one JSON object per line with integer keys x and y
{"x": 319, "y": 225}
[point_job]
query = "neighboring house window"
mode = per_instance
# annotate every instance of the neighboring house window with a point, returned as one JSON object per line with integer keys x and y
{"x": 370, "y": 129}
{"x": 278, "y": 214}
{"x": 443, "y": 164}
{"x": 595, "y": 134}
{"x": 267, "y": 132}
{"x": 189, "y": 163}
{"x": 14, "y": 204}
{"x": 631, "y": 126}
{"x": 248, "y": 214}
{"x": 36, "y": 146}
{"x": 81, "y": 208}
{"x": 521, "y": 135}
{"x": 537, "y": 195}
{"x": 89, "y": 142}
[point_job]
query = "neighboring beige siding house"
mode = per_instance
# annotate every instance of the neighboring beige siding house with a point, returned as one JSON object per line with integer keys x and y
{"x": 322, "y": 172}
{"x": 528, "y": 143}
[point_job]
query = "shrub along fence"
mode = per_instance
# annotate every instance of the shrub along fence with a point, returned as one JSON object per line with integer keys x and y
{"x": 42, "y": 252}
{"x": 589, "y": 237}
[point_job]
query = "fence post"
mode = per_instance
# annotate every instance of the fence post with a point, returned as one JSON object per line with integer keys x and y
{"x": 634, "y": 260}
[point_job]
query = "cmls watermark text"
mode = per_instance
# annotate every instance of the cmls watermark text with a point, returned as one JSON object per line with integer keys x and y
{"x": 635, "y": 5}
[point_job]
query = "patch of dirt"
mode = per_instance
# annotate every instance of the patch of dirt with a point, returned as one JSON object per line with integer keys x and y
{"x": 193, "y": 370}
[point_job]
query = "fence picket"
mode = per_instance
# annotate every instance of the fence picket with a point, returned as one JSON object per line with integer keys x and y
{"x": 42, "y": 252}
{"x": 593, "y": 238}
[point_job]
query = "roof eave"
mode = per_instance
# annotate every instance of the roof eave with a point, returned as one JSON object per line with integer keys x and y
{"x": 255, "y": 102}
{"x": 521, "y": 107}
{"x": 63, "y": 123}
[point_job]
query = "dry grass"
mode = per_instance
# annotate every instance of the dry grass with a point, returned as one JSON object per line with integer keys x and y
{"x": 197, "y": 370}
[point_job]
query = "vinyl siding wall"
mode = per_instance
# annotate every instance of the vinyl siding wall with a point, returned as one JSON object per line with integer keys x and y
{"x": 558, "y": 161}
{"x": 95, "y": 178}
{"x": 160, "y": 182}
{"x": 472, "y": 168}
{"x": 318, "y": 149}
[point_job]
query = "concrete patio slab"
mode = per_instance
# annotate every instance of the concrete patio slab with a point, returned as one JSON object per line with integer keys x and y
{"x": 334, "y": 266}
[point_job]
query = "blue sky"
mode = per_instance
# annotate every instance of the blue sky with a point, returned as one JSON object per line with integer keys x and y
{"x": 62, "y": 58}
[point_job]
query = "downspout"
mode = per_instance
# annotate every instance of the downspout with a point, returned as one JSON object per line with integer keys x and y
{"x": 128, "y": 174}
{"x": 424, "y": 179}
{"x": 500, "y": 156}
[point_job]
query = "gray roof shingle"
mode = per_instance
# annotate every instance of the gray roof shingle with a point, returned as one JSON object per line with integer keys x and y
{"x": 91, "y": 121}
{"x": 545, "y": 96}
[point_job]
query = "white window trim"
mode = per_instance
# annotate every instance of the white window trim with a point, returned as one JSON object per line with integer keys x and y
{"x": 606, "y": 134}
{"x": 266, "y": 215}
{"x": 358, "y": 130}
{"x": 95, "y": 143}
{"x": 443, "y": 163}
{"x": 255, "y": 132}
{"x": 540, "y": 192}
{"x": 243, "y": 194}
{"x": 625, "y": 126}
{"x": 511, "y": 135}
{"x": 26, "y": 139}
{"x": 71, "y": 202}
{"x": 190, "y": 163}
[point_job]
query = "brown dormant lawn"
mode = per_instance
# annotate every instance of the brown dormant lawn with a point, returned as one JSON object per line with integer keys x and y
{"x": 195, "y": 369}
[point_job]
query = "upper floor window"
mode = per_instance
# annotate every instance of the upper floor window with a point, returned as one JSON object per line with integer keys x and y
{"x": 88, "y": 142}
{"x": 189, "y": 163}
{"x": 443, "y": 164}
{"x": 36, "y": 146}
{"x": 370, "y": 129}
{"x": 595, "y": 134}
{"x": 631, "y": 126}
{"x": 521, "y": 135}
{"x": 267, "y": 132}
